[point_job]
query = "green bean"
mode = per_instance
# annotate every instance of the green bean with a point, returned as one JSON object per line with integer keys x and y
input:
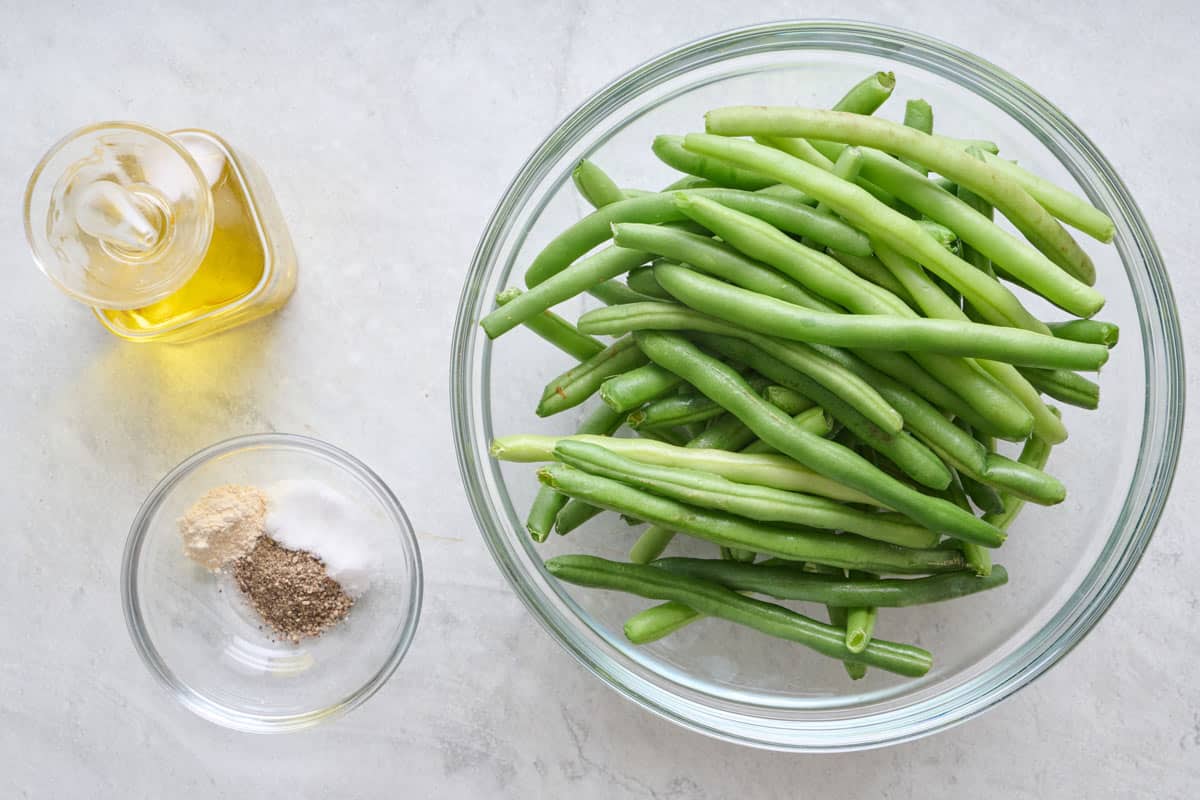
{"x": 796, "y": 405}
{"x": 778, "y": 471}
{"x": 964, "y": 215}
{"x": 1021, "y": 480}
{"x": 676, "y": 437}
{"x": 715, "y": 258}
{"x": 816, "y": 271}
{"x": 651, "y": 544}
{"x": 677, "y": 410}
{"x": 1006, "y": 418}
{"x": 781, "y": 191}
{"x": 1068, "y": 207}
{"x": 806, "y": 370}
{"x": 857, "y": 207}
{"x": 939, "y": 233}
{"x": 542, "y": 513}
{"x": 556, "y": 330}
{"x": 629, "y": 390}
{"x": 985, "y": 179}
{"x": 687, "y": 182}
{"x": 851, "y": 389}
{"x": 669, "y": 150}
{"x": 659, "y": 621}
{"x": 800, "y": 148}
{"x": 970, "y": 254}
{"x": 614, "y": 293}
{"x": 669, "y": 317}
{"x": 722, "y": 384}
{"x": 724, "y": 262}
{"x": 860, "y": 624}
{"x": 936, "y": 304}
{"x": 918, "y": 115}
{"x": 846, "y": 167}
{"x": 577, "y": 240}
{"x": 547, "y": 503}
{"x": 839, "y": 618}
{"x": 988, "y": 441}
{"x": 804, "y": 150}
{"x": 914, "y": 459}
{"x": 986, "y": 145}
{"x": 581, "y": 381}
{"x": 602, "y": 421}
{"x": 985, "y": 497}
{"x": 573, "y": 514}
{"x": 862, "y": 98}
{"x": 807, "y": 567}
{"x": 869, "y": 269}
{"x": 977, "y": 558}
{"x": 573, "y": 280}
{"x": 919, "y": 416}
{"x": 791, "y": 542}
{"x": 1009, "y": 477}
{"x": 767, "y": 315}
{"x": 641, "y": 280}
{"x": 796, "y": 218}
{"x": 787, "y": 400}
{"x": 717, "y": 601}
{"x": 814, "y": 420}
{"x": 866, "y": 96}
{"x": 1034, "y": 454}
{"x": 826, "y": 276}
{"x": 787, "y": 581}
{"x": 594, "y": 185}
{"x": 725, "y": 432}
{"x": 738, "y": 554}
{"x": 752, "y": 502}
{"x": 1069, "y": 387}
{"x": 1087, "y": 330}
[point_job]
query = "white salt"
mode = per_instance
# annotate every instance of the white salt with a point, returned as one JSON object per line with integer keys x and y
{"x": 309, "y": 515}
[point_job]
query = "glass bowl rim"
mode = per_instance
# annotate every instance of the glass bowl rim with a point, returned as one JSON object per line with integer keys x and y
{"x": 194, "y": 700}
{"x": 1162, "y": 351}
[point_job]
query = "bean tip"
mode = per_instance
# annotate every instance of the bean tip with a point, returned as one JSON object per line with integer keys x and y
{"x": 508, "y": 295}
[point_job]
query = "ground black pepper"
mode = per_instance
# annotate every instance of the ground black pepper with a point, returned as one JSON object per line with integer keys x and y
{"x": 290, "y": 590}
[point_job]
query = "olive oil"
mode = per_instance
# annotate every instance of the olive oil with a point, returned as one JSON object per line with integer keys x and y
{"x": 169, "y": 237}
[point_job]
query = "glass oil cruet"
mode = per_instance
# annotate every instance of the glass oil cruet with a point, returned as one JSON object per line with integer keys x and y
{"x": 168, "y": 236}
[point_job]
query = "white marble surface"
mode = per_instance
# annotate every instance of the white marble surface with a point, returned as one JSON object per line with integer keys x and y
{"x": 389, "y": 131}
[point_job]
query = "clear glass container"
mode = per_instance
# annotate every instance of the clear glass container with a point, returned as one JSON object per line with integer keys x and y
{"x": 204, "y": 642}
{"x": 168, "y": 236}
{"x": 1067, "y": 563}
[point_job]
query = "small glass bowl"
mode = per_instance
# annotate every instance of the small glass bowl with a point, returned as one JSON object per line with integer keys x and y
{"x": 1066, "y": 563}
{"x": 201, "y": 638}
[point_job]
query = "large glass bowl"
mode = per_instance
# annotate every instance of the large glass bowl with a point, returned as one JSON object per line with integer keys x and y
{"x": 1067, "y": 563}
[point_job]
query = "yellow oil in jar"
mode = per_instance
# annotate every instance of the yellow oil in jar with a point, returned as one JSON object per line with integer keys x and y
{"x": 244, "y": 274}
{"x": 231, "y": 269}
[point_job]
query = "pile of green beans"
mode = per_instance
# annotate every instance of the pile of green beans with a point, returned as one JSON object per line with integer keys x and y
{"x": 821, "y": 348}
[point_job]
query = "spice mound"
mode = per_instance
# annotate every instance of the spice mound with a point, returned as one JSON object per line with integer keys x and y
{"x": 223, "y": 525}
{"x": 299, "y": 579}
{"x": 290, "y": 590}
